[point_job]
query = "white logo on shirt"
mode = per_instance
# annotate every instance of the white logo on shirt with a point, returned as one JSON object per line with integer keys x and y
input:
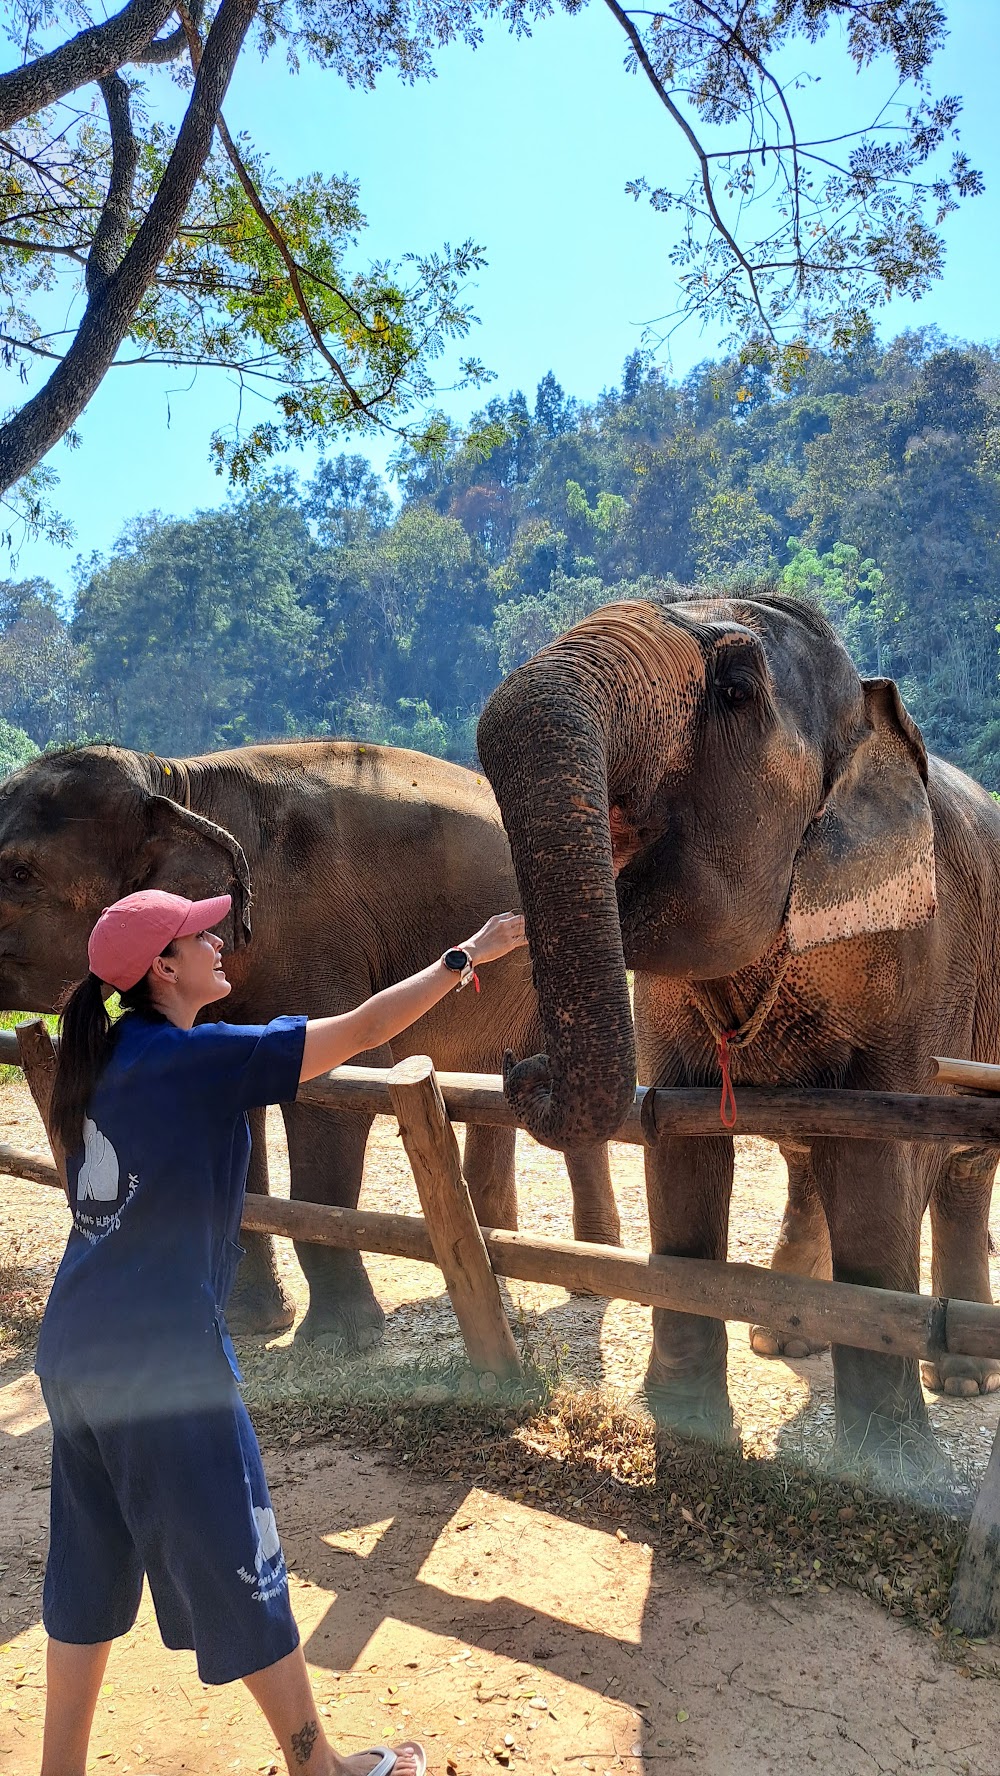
{"x": 98, "y": 1180}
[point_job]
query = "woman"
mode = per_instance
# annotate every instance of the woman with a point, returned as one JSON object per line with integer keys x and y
{"x": 155, "y": 1465}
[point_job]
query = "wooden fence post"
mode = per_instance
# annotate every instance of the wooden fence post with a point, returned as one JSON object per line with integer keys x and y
{"x": 975, "y": 1595}
{"x": 455, "y": 1234}
{"x": 38, "y": 1059}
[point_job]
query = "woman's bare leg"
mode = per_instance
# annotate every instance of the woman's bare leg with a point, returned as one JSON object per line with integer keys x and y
{"x": 73, "y": 1680}
{"x": 284, "y": 1695}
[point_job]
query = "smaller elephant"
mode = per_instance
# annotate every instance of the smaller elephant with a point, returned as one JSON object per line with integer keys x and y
{"x": 361, "y": 863}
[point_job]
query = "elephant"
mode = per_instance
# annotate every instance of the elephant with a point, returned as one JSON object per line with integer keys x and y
{"x": 702, "y": 788}
{"x": 366, "y": 863}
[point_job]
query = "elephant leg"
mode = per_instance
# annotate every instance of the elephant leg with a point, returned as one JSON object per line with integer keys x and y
{"x": 688, "y": 1185}
{"x": 803, "y": 1248}
{"x": 874, "y": 1207}
{"x": 595, "y": 1212}
{"x": 326, "y": 1154}
{"x": 960, "y": 1234}
{"x": 259, "y": 1302}
{"x": 488, "y": 1164}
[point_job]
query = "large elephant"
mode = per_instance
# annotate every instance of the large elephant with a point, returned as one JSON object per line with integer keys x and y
{"x": 366, "y": 862}
{"x": 705, "y": 790}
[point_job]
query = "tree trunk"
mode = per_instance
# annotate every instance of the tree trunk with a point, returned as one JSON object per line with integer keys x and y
{"x": 43, "y": 420}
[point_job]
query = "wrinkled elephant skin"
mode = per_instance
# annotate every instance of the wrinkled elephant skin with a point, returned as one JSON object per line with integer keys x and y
{"x": 704, "y": 790}
{"x": 350, "y": 867}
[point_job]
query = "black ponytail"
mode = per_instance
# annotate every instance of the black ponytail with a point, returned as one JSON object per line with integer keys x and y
{"x": 87, "y": 1036}
{"x": 85, "y": 1043}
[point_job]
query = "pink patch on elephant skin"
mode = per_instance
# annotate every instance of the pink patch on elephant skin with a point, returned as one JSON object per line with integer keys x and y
{"x": 897, "y": 903}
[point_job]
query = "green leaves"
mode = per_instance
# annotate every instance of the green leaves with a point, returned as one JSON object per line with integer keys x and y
{"x": 261, "y": 277}
{"x": 787, "y": 231}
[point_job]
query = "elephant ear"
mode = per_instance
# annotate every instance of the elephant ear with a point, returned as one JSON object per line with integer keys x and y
{"x": 866, "y": 863}
{"x": 187, "y": 854}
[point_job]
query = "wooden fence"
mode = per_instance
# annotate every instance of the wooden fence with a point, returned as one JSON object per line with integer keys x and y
{"x": 472, "y": 1258}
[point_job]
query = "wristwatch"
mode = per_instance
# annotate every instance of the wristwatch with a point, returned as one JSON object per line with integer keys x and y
{"x": 460, "y": 963}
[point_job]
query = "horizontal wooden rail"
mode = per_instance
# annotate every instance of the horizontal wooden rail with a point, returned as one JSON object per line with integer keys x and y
{"x": 27, "y": 1165}
{"x": 825, "y": 1313}
{"x": 687, "y": 1110}
{"x": 690, "y": 1110}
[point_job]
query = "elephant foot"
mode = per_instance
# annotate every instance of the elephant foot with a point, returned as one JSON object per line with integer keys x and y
{"x": 900, "y": 1457}
{"x": 347, "y": 1328}
{"x": 768, "y": 1343}
{"x": 961, "y": 1376}
{"x": 681, "y": 1412}
{"x": 257, "y": 1308}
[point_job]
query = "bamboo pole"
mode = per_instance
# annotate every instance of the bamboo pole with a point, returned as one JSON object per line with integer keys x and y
{"x": 450, "y": 1218}
{"x": 973, "y": 1075}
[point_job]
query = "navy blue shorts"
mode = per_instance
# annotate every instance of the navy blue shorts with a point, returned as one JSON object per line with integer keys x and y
{"x": 180, "y": 1497}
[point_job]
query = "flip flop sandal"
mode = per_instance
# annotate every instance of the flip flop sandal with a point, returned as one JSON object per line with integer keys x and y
{"x": 387, "y": 1758}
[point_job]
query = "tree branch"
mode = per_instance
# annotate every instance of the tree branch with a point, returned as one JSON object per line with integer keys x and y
{"x": 167, "y": 49}
{"x": 44, "y": 419}
{"x": 765, "y": 74}
{"x": 111, "y": 234}
{"x": 90, "y": 56}
{"x": 260, "y": 209}
{"x": 46, "y": 247}
{"x": 635, "y": 38}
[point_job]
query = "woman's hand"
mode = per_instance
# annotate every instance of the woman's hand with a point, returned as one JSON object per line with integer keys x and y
{"x": 502, "y": 933}
{"x": 333, "y": 1040}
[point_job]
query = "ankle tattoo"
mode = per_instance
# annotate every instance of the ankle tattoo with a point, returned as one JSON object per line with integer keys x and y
{"x": 304, "y": 1740}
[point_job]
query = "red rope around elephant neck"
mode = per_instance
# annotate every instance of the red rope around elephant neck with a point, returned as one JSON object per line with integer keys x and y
{"x": 732, "y": 1040}
{"x": 727, "y": 1105}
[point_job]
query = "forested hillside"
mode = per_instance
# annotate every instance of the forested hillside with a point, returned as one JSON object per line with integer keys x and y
{"x": 871, "y": 484}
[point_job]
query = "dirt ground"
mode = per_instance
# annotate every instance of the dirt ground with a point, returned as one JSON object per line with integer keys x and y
{"x": 494, "y": 1629}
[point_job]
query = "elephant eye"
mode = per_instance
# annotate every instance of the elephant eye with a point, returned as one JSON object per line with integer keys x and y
{"x": 737, "y": 694}
{"x": 20, "y": 873}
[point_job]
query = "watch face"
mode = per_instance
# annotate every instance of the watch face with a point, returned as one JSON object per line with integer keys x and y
{"x": 457, "y": 960}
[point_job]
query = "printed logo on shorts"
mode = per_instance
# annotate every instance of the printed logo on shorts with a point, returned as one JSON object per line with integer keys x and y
{"x": 269, "y": 1562}
{"x": 99, "y": 1174}
{"x": 268, "y": 1541}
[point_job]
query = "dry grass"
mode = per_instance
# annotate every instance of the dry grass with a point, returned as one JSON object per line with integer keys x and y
{"x": 584, "y": 1454}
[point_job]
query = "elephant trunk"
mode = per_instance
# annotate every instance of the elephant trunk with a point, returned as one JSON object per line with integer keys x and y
{"x": 594, "y": 718}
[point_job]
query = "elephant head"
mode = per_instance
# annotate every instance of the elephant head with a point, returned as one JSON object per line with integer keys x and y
{"x": 78, "y": 829}
{"x": 682, "y": 782}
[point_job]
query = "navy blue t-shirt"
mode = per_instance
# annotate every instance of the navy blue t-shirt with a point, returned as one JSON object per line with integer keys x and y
{"x": 157, "y": 1196}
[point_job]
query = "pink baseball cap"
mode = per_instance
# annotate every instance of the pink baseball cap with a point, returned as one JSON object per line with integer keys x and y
{"x": 130, "y": 935}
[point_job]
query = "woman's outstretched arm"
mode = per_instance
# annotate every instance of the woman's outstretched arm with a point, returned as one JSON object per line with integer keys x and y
{"x": 332, "y": 1041}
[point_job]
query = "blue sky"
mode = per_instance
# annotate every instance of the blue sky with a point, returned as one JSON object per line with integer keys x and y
{"x": 526, "y": 146}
